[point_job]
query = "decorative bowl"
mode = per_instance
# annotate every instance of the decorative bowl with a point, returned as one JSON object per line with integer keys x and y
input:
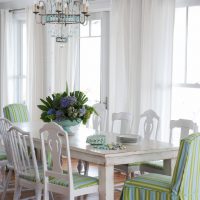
{"x": 70, "y": 126}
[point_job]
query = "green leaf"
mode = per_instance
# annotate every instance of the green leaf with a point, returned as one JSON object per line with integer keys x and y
{"x": 43, "y": 108}
{"x": 67, "y": 89}
{"x": 45, "y": 103}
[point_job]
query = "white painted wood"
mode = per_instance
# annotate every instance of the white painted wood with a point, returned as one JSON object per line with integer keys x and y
{"x": 99, "y": 121}
{"x": 185, "y": 125}
{"x": 4, "y": 126}
{"x": 145, "y": 150}
{"x": 53, "y": 138}
{"x": 24, "y": 163}
{"x": 106, "y": 184}
{"x": 126, "y": 120}
{"x": 149, "y": 121}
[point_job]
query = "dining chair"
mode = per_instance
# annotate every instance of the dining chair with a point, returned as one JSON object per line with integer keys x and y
{"x": 16, "y": 113}
{"x": 57, "y": 180}
{"x": 148, "y": 128}
{"x": 125, "y": 120}
{"x": 184, "y": 184}
{"x": 185, "y": 127}
{"x": 5, "y": 155}
{"x": 25, "y": 164}
{"x": 99, "y": 119}
{"x": 98, "y": 123}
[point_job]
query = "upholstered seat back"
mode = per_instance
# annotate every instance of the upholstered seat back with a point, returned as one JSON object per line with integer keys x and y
{"x": 186, "y": 177}
{"x": 16, "y": 113}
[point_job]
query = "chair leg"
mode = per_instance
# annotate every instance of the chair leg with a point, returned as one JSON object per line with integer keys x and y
{"x": 80, "y": 166}
{"x": 8, "y": 178}
{"x": 18, "y": 189}
{"x": 86, "y": 168}
{"x": 38, "y": 193}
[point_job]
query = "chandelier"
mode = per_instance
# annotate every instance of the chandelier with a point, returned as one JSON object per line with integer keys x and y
{"x": 61, "y": 13}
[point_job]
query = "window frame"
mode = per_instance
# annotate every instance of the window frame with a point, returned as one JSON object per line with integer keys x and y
{"x": 185, "y": 84}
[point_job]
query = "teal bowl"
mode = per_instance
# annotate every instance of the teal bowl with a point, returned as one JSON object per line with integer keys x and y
{"x": 70, "y": 126}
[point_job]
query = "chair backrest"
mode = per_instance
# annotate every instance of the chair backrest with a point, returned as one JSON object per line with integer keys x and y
{"x": 53, "y": 138}
{"x": 186, "y": 177}
{"x": 125, "y": 119}
{"x": 149, "y": 124}
{"x": 185, "y": 125}
{"x": 25, "y": 163}
{"x": 16, "y": 113}
{"x": 5, "y": 124}
{"x": 99, "y": 121}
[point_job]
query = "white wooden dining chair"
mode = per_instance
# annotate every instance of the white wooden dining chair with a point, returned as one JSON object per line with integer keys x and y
{"x": 53, "y": 139}
{"x": 6, "y": 155}
{"x": 98, "y": 123}
{"x": 148, "y": 128}
{"x": 25, "y": 164}
{"x": 99, "y": 119}
{"x": 184, "y": 126}
{"x": 125, "y": 119}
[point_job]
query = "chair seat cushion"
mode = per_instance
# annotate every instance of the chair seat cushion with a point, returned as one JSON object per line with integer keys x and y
{"x": 147, "y": 186}
{"x": 157, "y": 164}
{"x": 3, "y": 155}
{"x": 80, "y": 181}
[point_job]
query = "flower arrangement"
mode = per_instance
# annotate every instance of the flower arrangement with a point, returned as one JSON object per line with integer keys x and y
{"x": 66, "y": 106}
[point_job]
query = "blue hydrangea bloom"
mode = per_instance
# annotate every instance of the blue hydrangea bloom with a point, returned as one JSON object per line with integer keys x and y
{"x": 51, "y": 111}
{"x": 82, "y": 111}
{"x": 67, "y": 101}
{"x": 59, "y": 114}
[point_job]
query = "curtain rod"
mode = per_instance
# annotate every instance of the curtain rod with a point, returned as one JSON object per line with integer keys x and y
{"x": 19, "y": 9}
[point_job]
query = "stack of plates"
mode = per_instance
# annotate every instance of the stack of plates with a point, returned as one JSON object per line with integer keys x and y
{"x": 128, "y": 138}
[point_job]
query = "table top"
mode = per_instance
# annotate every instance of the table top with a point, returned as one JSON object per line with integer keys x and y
{"x": 78, "y": 141}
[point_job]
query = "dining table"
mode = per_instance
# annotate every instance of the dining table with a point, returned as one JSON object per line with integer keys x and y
{"x": 141, "y": 151}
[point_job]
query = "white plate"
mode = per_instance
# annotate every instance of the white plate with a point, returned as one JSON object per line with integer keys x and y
{"x": 128, "y": 138}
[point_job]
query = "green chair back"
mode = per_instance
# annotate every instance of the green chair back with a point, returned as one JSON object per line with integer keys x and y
{"x": 186, "y": 177}
{"x": 16, "y": 113}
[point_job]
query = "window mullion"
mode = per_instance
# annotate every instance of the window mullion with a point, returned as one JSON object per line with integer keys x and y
{"x": 186, "y": 46}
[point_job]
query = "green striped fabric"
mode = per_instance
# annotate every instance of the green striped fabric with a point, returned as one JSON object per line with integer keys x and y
{"x": 79, "y": 180}
{"x": 16, "y": 113}
{"x": 157, "y": 164}
{"x": 2, "y": 154}
{"x": 185, "y": 184}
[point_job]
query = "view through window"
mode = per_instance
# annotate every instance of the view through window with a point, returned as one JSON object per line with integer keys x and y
{"x": 186, "y": 64}
{"x": 90, "y": 59}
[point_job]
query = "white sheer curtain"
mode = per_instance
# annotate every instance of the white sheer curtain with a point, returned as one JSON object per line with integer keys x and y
{"x": 35, "y": 64}
{"x": 141, "y": 58}
{"x": 8, "y": 59}
{"x": 62, "y": 61}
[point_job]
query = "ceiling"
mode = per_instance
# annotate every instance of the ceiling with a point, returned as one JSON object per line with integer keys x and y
{"x": 95, "y": 5}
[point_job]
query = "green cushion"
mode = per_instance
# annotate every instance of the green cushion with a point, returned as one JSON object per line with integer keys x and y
{"x": 16, "y": 113}
{"x": 148, "y": 186}
{"x": 3, "y": 155}
{"x": 135, "y": 164}
{"x": 157, "y": 164}
{"x": 79, "y": 180}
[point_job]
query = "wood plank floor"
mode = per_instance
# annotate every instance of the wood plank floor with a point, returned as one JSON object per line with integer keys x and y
{"x": 93, "y": 171}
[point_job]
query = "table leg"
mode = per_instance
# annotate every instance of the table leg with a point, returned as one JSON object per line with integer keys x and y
{"x": 106, "y": 182}
{"x": 169, "y": 165}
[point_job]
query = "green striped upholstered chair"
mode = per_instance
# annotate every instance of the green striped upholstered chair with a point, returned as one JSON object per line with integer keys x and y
{"x": 184, "y": 185}
{"x": 16, "y": 113}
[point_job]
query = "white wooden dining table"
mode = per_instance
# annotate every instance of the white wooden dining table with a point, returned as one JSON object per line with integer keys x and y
{"x": 144, "y": 150}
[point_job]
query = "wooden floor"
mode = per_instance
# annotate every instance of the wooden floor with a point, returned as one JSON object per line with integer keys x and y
{"x": 119, "y": 178}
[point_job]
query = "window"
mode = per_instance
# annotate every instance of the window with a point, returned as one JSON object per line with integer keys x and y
{"x": 186, "y": 64}
{"x": 90, "y": 58}
{"x": 17, "y": 78}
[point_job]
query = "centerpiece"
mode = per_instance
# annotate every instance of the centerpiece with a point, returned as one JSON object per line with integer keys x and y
{"x": 68, "y": 109}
